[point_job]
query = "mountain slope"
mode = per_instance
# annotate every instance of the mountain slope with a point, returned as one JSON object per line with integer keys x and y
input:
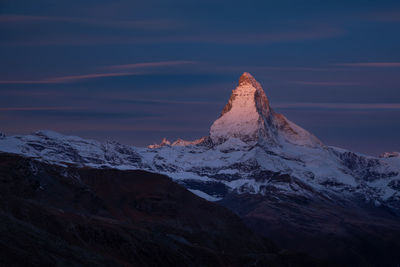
{"x": 346, "y": 233}
{"x": 52, "y": 215}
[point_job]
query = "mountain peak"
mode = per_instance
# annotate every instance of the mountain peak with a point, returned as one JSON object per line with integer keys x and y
{"x": 248, "y": 116}
{"x": 249, "y": 92}
{"x": 248, "y": 79}
{"x": 244, "y": 115}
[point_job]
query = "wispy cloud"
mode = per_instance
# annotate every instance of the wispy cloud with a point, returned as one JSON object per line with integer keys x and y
{"x": 173, "y": 102}
{"x": 151, "y": 64}
{"x": 325, "y": 83}
{"x": 73, "y": 78}
{"x": 372, "y": 64}
{"x": 24, "y": 82}
{"x": 160, "y": 37}
{"x": 261, "y": 37}
{"x": 39, "y": 108}
{"x": 21, "y": 18}
{"x": 384, "y": 16}
{"x": 112, "y": 126}
{"x": 293, "y": 68}
{"x": 338, "y": 105}
{"x": 158, "y": 24}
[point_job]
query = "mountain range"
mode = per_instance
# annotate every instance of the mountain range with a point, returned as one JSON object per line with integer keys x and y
{"x": 282, "y": 181}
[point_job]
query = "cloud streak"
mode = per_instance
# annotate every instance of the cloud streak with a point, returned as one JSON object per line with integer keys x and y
{"x": 372, "y": 64}
{"x": 325, "y": 83}
{"x": 40, "y": 108}
{"x": 172, "y": 102}
{"x": 159, "y": 36}
{"x": 158, "y": 24}
{"x": 388, "y": 16}
{"x": 151, "y": 64}
{"x": 73, "y": 78}
{"x": 382, "y": 106}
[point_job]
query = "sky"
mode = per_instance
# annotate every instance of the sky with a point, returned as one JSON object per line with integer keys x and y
{"x": 137, "y": 71}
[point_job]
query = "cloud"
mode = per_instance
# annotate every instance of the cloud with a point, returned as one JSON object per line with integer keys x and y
{"x": 21, "y": 18}
{"x": 255, "y": 38}
{"x": 293, "y": 68}
{"x": 24, "y": 82}
{"x": 301, "y": 35}
{"x": 372, "y": 64}
{"x": 39, "y": 108}
{"x": 164, "y": 101}
{"x": 151, "y": 64}
{"x": 382, "y": 106}
{"x": 162, "y": 34}
{"x": 325, "y": 83}
{"x": 386, "y": 16}
{"x": 73, "y": 78}
{"x": 157, "y": 24}
{"x": 68, "y": 125}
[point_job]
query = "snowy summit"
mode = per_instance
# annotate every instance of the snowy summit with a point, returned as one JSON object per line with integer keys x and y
{"x": 249, "y": 117}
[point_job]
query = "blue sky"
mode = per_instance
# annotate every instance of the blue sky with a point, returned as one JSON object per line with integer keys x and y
{"x": 135, "y": 72}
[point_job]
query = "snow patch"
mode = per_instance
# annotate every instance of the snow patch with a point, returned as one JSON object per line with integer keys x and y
{"x": 204, "y": 195}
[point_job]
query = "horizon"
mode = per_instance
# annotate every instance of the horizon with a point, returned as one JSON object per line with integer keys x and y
{"x": 137, "y": 72}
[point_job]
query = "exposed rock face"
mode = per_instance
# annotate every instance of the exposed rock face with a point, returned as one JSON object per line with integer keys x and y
{"x": 390, "y": 155}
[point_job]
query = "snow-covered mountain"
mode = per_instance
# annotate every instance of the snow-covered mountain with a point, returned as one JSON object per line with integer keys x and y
{"x": 250, "y": 149}
{"x": 248, "y": 116}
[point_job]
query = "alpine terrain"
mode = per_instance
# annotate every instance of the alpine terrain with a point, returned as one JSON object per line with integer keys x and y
{"x": 280, "y": 179}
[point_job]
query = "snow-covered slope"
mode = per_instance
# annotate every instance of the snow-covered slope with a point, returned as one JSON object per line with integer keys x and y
{"x": 250, "y": 149}
{"x": 54, "y": 147}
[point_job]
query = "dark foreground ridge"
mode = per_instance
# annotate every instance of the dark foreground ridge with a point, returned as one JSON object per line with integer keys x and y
{"x": 65, "y": 216}
{"x": 344, "y": 234}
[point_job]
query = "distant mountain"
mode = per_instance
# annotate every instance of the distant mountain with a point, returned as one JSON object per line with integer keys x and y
{"x": 270, "y": 171}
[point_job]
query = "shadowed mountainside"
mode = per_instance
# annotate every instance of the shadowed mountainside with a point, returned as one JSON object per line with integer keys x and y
{"x": 53, "y": 215}
{"x": 347, "y": 233}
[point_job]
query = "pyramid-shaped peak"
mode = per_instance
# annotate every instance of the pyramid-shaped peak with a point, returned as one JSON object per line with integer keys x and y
{"x": 248, "y": 116}
{"x": 248, "y": 79}
{"x": 245, "y": 113}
